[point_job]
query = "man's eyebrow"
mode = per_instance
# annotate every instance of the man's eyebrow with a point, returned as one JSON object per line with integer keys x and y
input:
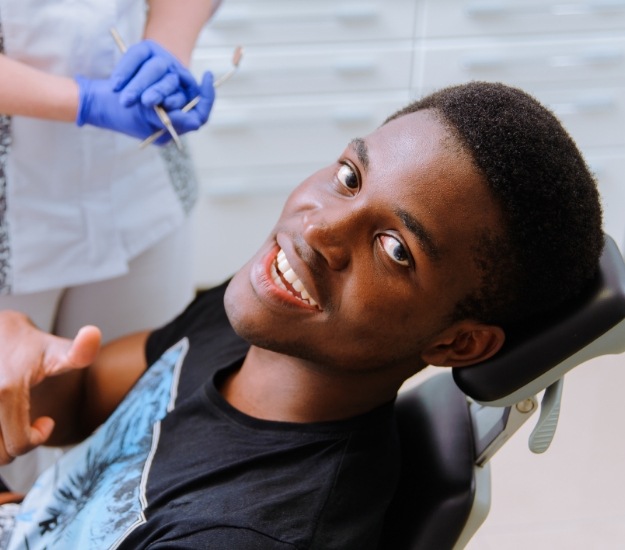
{"x": 359, "y": 145}
{"x": 425, "y": 239}
{"x": 410, "y": 222}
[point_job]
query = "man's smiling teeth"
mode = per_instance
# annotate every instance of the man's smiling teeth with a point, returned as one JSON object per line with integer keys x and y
{"x": 281, "y": 271}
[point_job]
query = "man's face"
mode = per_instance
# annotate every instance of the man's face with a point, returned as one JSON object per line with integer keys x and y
{"x": 381, "y": 242}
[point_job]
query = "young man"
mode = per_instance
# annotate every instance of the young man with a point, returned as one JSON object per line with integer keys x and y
{"x": 268, "y": 423}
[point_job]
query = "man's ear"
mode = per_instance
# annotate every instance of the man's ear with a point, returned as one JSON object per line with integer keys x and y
{"x": 464, "y": 343}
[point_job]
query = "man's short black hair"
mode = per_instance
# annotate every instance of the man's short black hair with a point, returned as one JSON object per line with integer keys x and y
{"x": 552, "y": 237}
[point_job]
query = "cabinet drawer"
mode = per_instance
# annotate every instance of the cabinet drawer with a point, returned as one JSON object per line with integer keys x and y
{"x": 287, "y": 131}
{"x": 595, "y": 117}
{"x": 298, "y": 21}
{"x": 300, "y": 69}
{"x": 576, "y": 60}
{"x": 227, "y": 184}
{"x": 504, "y": 17}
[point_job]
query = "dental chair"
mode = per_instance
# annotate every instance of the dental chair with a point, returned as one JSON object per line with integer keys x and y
{"x": 451, "y": 425}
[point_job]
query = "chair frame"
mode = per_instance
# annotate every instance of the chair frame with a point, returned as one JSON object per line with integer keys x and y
{"x": 451, "y": 425}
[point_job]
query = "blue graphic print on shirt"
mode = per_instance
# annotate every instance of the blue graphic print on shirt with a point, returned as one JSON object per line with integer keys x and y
{"x": 95, "y": 494}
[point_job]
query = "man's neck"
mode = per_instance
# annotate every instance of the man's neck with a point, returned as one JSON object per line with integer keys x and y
{"x": 273, "y": 386}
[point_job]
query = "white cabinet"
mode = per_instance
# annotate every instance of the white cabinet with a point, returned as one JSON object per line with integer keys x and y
{"x": 550, "y": 59}
{"x": 570, "y": 54}
{"x": 316, "y": 74}
{"x": 478, "y": 18}
{"x": 303, "y": 22}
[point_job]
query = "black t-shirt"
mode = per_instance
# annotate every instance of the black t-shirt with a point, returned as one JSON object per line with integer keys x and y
{"x": 177, "y": 467}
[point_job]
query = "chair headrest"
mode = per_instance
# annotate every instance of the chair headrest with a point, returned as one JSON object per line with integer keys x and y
{"x": 541, "y": 352}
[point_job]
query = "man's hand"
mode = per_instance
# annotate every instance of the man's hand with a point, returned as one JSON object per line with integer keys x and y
{"x": 27, "y": 357}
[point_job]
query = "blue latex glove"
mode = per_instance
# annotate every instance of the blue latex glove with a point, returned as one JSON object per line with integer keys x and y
{"x": 99, "y": 105}
{"x": 149, "y": 73}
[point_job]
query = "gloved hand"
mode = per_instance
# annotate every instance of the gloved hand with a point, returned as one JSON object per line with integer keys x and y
{"x": 99, "y": 105}
{"x": 190, "y": 120}
{"x": 148, "y": 73}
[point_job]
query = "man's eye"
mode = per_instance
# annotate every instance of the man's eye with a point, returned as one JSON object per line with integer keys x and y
{"x": 348, "y": 177}
{"x": 396, "y": 251}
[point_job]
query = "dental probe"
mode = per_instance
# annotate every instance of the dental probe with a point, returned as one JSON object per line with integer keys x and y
{"x": 162, "y": 114}
{"x": 236, "y": 59}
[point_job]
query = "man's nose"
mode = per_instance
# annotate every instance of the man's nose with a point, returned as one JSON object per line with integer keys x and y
{"x": 329, "y": 234}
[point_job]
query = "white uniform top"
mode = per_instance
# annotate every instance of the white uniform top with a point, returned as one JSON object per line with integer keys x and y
{"x": 76, "y": 204}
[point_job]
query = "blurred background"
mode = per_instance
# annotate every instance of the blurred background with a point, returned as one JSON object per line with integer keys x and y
{"x": 316, "y": 74}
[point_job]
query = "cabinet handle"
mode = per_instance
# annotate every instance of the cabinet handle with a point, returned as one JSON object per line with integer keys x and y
{"x": 352, "y": 115}
{"x": 481, "y": 9}
{"x": 349, "y": 14}
{"x": 484, "y": 62}
{"x": 357, "y": 13}
{"x": 242, "y": 192}
{"x": 242, "y": 121}
{"x": 587, "y": 105}
{"x": 495, "y": 9}
{"x": 587, "y": 59}
{"x": 233, "y": 18}
{"x": 230, "y": 122}
{"x": 354, "y": 66}
{"x": 592, "y": 7}
{"x": 494, "y": 61}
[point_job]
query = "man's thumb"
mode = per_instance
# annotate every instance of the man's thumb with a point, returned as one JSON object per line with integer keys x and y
{"x": 85, "y": 346}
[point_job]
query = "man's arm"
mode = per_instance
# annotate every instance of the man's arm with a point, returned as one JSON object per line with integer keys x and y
{"x": 51, "y": 385}
{"x": 118, "y": 367}
{"x": 176, "y": 25}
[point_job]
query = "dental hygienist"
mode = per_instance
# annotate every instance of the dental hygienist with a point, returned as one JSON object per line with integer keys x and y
{"x": 85, "y": 213}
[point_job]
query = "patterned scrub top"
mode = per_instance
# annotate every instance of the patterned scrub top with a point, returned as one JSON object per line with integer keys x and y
{"x": 77, "y": 204}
